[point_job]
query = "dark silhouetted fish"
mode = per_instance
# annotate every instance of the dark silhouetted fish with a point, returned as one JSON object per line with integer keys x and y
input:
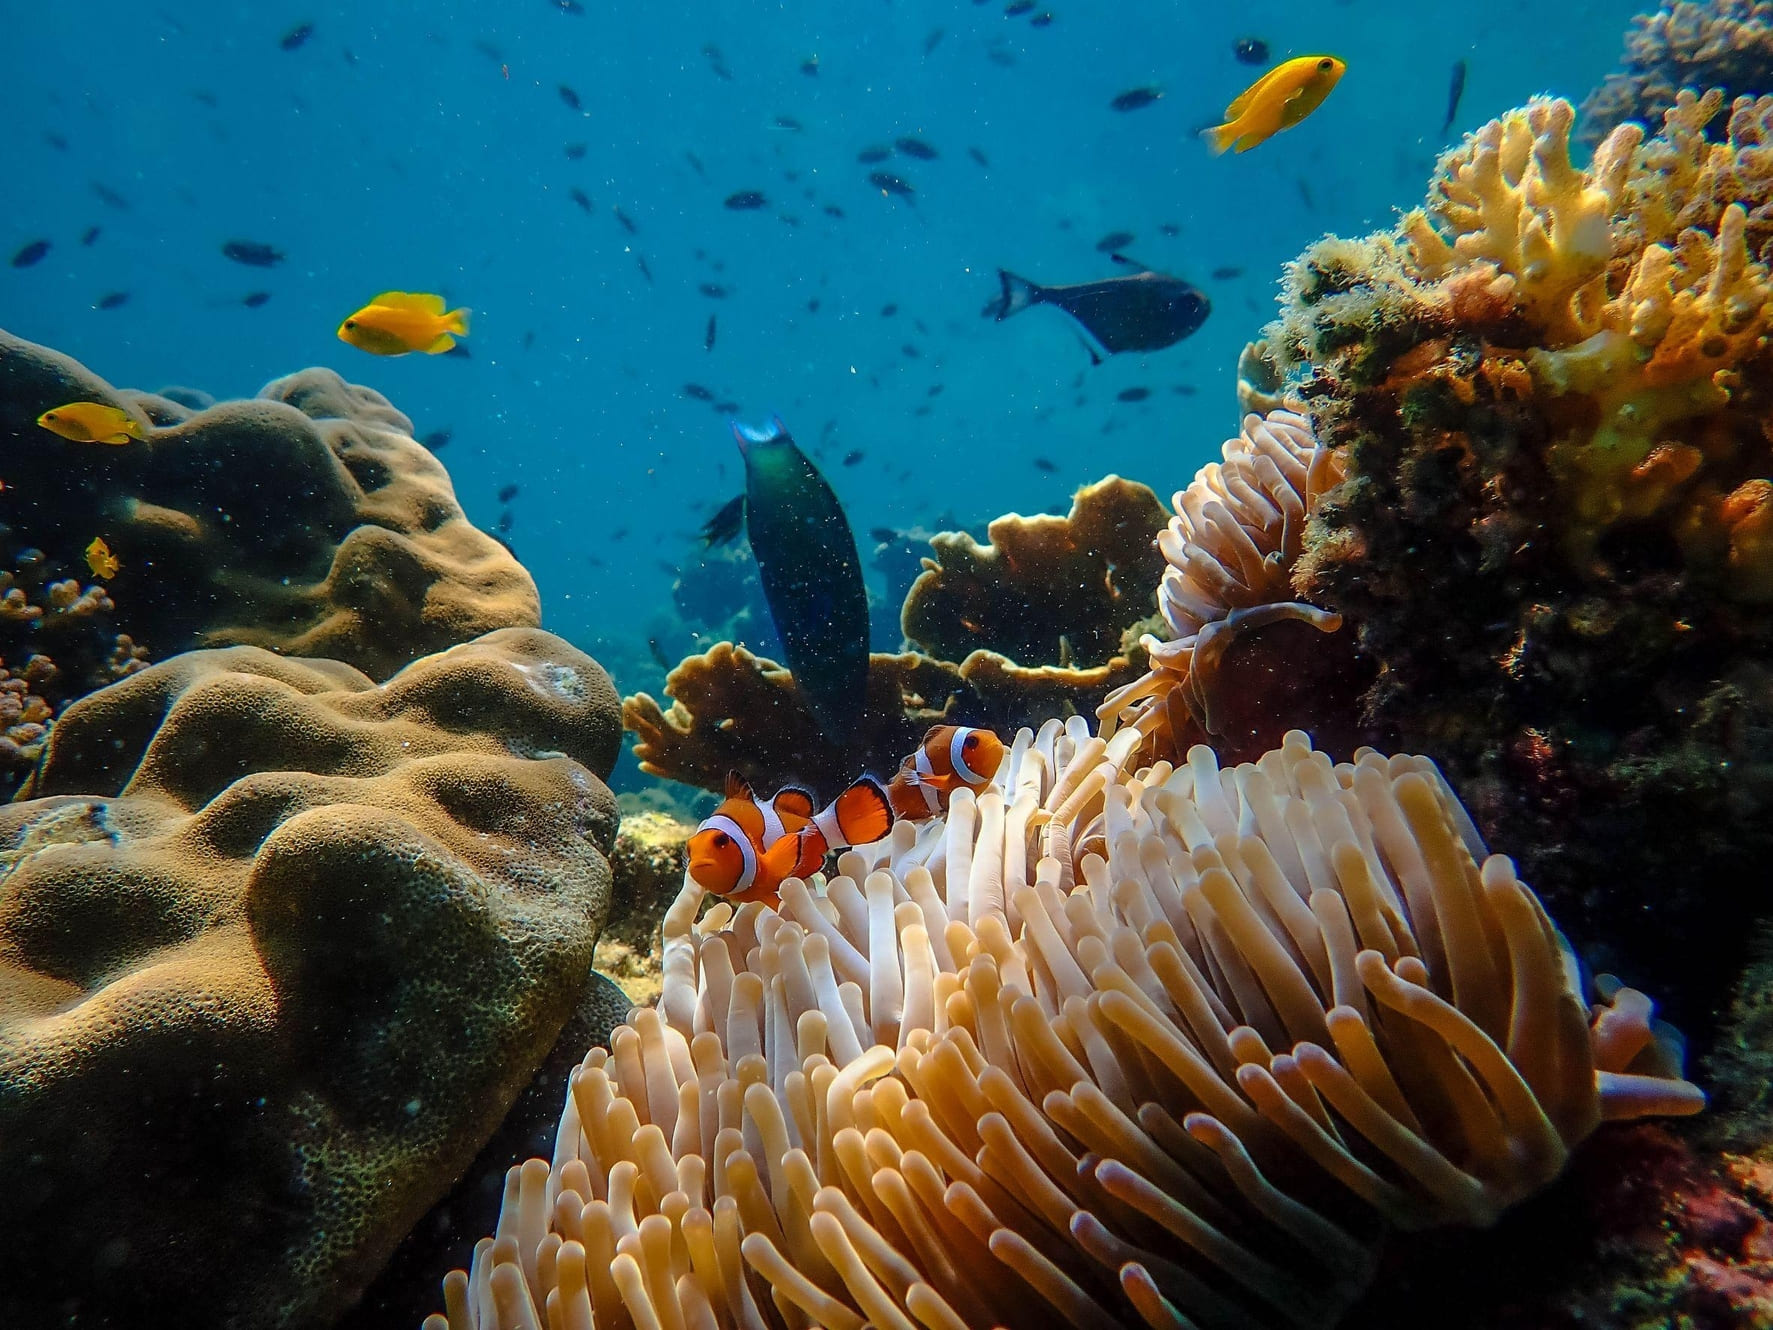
{"x": 507, "y": 520}
{"x": 296, "y": 36}
{"x": 625, "y": 221}
{"x": 979, "y": 158}
{"x": 810, "y": 66}
{"x": 569, "y": 6}
{"x": 1001, "y": 56}
{"x": 579, "y": 197}
{"x": 112, "y": 300}
{"x": 57, "y": 141}
{"x": 932, "y": 39}
{"x": 1042, "y": 464}
{"x": 910, "y": 352}
{"x": 854, "y": 457}
{"x": 790, "y": 123}
{"x": 1455, "y": 90}
{"x": 811, "y": 575}
{"x": 695, "y": 163}
{"x": 746, "y": 200}
{"x": 717, "y": 62}
{"x": 437, "y": 438}
{"x": 888, "y": 183}
{"x": 571, "y": 98}
{"x": 1250, "y": 51}
{"x": 529, "y": 339}
{"x": 698, "y": 392}
{"x": 832, "y": 210}
{"x": 658, "y": 653}
{"x": 1114, "y": 242}
{"x": 1044, "y": 19}
{"x": 713, "y": 290}
{"x": 726, "y": 409}
{"x": 252, "y": 253}
{"x": 487, "y": 49}
{"x": 708, "y": 338}
{"x": 1143, "y": 311}
{"x": 253, "y": 299}
{"x": 640, "y": 262}
{"x": 1227, "y": 273}
{"x": 620, "y": 533}
{"x": 915, "y": 147}
{"x": 873, "y": 153}
{"x": 1132, "y": 394}
{"x": 110, "y": 196}
{"x": 887, "y": 311}
{"x": 29, "y": 255}
{"x": 576, "y": 151}
{"x": 1134, "y": 98}
{"x": 90, "y": 235}
{"x": 507, "y": 493}
{"x": 725, "y": 525}
{"x": 1017, "y": 8}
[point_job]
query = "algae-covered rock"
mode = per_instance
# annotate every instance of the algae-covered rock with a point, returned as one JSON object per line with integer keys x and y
{"x": 278, "y": 948}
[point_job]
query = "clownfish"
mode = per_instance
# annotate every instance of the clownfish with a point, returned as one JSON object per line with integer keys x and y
{"x": 949, "y": 757}
{"x": 745, "y": 850}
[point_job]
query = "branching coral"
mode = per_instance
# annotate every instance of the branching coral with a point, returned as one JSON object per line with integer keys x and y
{"x": 1725, "y": 44}
{"x": 1172, "y": 1048}
{"x": 1229, "y": 552}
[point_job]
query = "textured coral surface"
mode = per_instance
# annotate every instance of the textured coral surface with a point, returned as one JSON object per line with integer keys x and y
{"x": 1725, "y": 44}
{"x": 306, "y": 520}
{"x": 278, "y": 947}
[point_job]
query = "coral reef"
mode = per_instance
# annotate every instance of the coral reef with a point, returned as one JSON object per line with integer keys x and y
{"x": 1723, "y": 44}
{"x": 306, "y": 520}
{"x": 1548, "y": 391}
{"x": 1102, "y": 1048}
{"x": 278, "y": 948}
{"x": 647, "y": 865}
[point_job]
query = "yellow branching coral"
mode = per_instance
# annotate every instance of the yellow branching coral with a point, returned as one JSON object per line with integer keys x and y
{"x": 1100, "y": 1048}
{"x": 1230, "y": 550}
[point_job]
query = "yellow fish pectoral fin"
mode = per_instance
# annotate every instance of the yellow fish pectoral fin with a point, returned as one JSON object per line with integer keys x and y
{"x": 457, "y": 321}
{"x": 1248, "y": 95}
{"x": 427, "y": 304}
{"x": 442, "y": 343}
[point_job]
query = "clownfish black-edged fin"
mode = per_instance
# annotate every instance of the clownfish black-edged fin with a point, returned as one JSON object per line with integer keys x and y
{"x": 792, "y": 856}
{"x": 811, "y": 849}
{"x": 737, "y": 787}
{"x": 794, "y": 799}
{"x": 864, "y": 812}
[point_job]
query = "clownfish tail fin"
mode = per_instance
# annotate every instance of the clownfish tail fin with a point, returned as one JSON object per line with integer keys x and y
{"x": 861, "y": 815}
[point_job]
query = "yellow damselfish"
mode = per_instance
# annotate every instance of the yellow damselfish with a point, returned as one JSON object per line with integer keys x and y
{"x": 397, "y": 322}
{"x": 99, "y": 558}
{"x": 1278, "y": 100}
{"x": 91, "y": 422}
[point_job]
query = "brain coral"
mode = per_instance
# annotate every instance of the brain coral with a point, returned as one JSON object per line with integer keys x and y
{"x": 306, "y": 520}
{"x": 278, "y": 947}
{"x": 1725, "y": 44}
{"x": 1175, "y": 1047}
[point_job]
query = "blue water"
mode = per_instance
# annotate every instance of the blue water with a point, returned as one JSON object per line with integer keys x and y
{"x": 422, "y": 147}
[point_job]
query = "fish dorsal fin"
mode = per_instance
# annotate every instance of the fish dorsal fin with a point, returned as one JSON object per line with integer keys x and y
{"x": 794, "y": 800}
{"x": 1132, "y": 263}
{"x": 930, "y": 733}
{"x": 410, "y": 300}
{"x": 737, "y": 787}
{"x": 1248, "y": 95}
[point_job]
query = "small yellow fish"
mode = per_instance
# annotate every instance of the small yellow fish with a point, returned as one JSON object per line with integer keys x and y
{"x": 99, "y": 558}
{"x": 397, "y": 322}
{"x": 1278, "y": 100}
{"x": 91, "y": 422}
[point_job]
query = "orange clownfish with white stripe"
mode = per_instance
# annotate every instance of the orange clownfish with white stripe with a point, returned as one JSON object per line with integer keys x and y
{"x": 748, "y": 847}
{"x": 950, "y": 756}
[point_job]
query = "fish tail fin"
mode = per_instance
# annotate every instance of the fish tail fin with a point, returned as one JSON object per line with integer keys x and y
{"x": 860, "y": 815}
{"x": 442, "y": 343}
{"x": 766, "y": 433}
{"x": 457, "y": 321}
{"x": 1018, "y": 294}
{"x": 1220, "y": 137}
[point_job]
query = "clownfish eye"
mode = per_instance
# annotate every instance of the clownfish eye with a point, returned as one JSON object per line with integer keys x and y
{"x": 971, "y": 741}
{"x": 722, "y": 840}
{"x": 1326, "y": 64}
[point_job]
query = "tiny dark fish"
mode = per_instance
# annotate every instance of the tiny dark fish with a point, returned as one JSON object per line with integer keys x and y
{"x": 620, "y": 533}
{"x": 529, "y": 339}
{"x": 1305, "y": 193}
{"x": 576, "y": 151}
{"x": 112, "y": 300}
{"x": 932, "y": 39}
{"x": 571, "y": 98}
{"x": 915, "y": 147}
{"x": 506, "y": 521}
{"x": 725, "y": 525}
{"x": 31, "y": 254}
{"x": 296, "y": 36}
{"x": 713, "y": 290}
{"x": 746, "y": 200}
{"x": 1227, "y": 274}
{"x": 788, "y": 122}
{"x": 639, "y": 262}
{"x": 206, "y": 97}
{"x": 1250, "y": 51}
{"x": 873, "y": 153}
{"x": 725, "y": 409}
{"x": 55, "y": 140}
{"x": 708, "y": 337}
{"x": 488, "y": 50}
{"x": 1455, "y": 90}
{"x": 1044, "y": 19}
{"x": 569, "y": 6}
{"x": 1017, "y": 8}
{"x": 90, "y": 235}
{"x": 810, "y": 66}
{"x": 698, "y": 392}
{"x": 1114, "y": 242}
{"x": 1143, "y": 311}
{"x": 579, "y": 197}
{"x": 887, "y": 311}
{"x": 252, "y": 253}
{"x": 1135, "y": 98}
{"x": 695, "y": 164}
{"x": 507, "y": 493}
{"x": 812, "y": 306}
{"x": 1132, "y": 394}
{"x": 658, "y": 653}
{"x": 253, "y": 299}
{"x": 854, "y": 457}
{"x": 627, "y": 223}
{"x": 910, "y": 352}
{"x": 1184, "y": 390}
{"x": 349, "y": 55}
{"x": 717, "y": 62}
{"x": 979, "y": 158}
{"x": 1042, "y": 464}
{"x": 888, "y": 183}
{"x": 437, "y": 438}
{"x": 832, "y": 210}
{"x": 934, "y": 390}
{"x": 1001, "y": 56}
{"x": 110, "y": 196}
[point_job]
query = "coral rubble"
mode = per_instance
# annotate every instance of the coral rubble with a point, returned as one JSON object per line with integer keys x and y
{"x": 306, "y": 520}
{"x": 1104, "y": 1048}
{"x": 278, "y": 948}
{"x": 1725, "y": 44}
{"x": 647, "y": 864}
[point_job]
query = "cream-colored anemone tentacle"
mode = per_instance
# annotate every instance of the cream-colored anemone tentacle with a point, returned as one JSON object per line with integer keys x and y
{"x": 1165, "y": 1045}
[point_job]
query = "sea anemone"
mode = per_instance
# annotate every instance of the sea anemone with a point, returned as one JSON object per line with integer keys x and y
{"x": 1173, "y": 1047}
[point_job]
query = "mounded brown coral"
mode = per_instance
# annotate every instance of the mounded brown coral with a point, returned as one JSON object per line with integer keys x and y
{"x": 306, "y": 520}
{"x": 1100, "y": 1048}
{"x": 278, "y": 947}
{"x": 1724, "y": 44}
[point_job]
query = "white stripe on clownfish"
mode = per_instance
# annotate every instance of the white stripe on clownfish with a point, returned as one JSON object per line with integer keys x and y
{"x": 957, "y": 757}
{"x": 748, "y": 855}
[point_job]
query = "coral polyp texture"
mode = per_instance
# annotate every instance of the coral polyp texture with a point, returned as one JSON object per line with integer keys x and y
{"x": 1724, "y": 44}
{"x": 278, "y": 948}
{"x": 1548, "y": 389}
{"x": 1172, "y": 1047}
{"x": 306, "y": 520}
